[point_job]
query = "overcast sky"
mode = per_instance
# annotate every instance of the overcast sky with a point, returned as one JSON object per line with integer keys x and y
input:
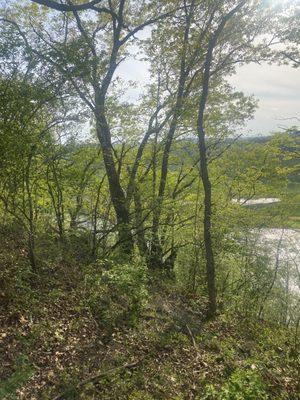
{"x": 277, "y": 89}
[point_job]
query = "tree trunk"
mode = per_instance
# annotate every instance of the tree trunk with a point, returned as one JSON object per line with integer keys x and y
{"x": 209, "y": 255}
{"x": 139, "y": 222}
{"x": 31, "y": 250}
{"x": 30, "y": 216}
{"x": 156, "y": 247}
{"x": 117, "y": 195}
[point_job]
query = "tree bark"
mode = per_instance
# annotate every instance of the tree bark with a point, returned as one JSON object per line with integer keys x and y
{"x": 116, "y": 192}
{"x": 30, "y": 217}
{"x": 156, "y": 248}
{"x": 209, "y": 254}
{"x": 67, "y": 7}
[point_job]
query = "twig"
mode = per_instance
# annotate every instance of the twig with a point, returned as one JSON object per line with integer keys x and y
{"x": 100, "y": 375}
{"x": 192, "y": 337}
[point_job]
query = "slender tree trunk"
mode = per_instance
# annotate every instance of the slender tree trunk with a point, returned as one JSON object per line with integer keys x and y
{"x": 196, "y": 245}
{"x": 139, "y": 222}
{"x": 209, "y": 254}
{"x": 118, "y": 198}
{"x": 287, "y": 294}
{"x": 56, "y": 196}
{"x": 156, "y": 248}
{"x": 277, "y": 262}
{"x": 31, "y": 250}
{"x": 31, "y": 228}
{"x": 95, "y": 219}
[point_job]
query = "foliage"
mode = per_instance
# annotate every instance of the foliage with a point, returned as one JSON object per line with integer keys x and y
{"x": 124, "y": 215}
{"x": 115, "y": 292}
{"x": 23, "y": 372}
{"x": 241, "y": 385}
{"x": 16, "y": 291}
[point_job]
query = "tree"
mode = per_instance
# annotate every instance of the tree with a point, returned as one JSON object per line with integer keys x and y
{"x": 217, "y": 61}
{"x": 69, "y": 6}
{"x": 96, "y": 73}
{"x": 187, "y": 96}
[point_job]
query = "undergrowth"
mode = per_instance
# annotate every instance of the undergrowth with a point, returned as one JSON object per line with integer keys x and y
{"x": 111, "y": 330}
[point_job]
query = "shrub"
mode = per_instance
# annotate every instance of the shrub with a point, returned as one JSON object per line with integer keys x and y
{"x": 16, "y": 294}
{"x": 242, "y": 385}
{"x": 115, "y": 292}
{"x": 23, "y": 372}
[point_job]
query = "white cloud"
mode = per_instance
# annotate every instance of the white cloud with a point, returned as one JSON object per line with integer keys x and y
{"x": 278, "y": 90}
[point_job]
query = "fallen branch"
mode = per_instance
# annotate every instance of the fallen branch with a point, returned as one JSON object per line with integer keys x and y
{"x": 198, "y": 355}
{"x": 192, "y": 337}
{"x": 100, "y": 375}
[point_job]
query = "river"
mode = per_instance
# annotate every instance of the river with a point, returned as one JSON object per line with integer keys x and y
{"x": 281, "y": 244}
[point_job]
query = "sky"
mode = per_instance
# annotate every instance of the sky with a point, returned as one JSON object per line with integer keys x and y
{"x": 277, "y": 89}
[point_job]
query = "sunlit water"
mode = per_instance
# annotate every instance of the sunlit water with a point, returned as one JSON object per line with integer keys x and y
{"x": 251, "y": 202}
{"x": 283, "y": 246}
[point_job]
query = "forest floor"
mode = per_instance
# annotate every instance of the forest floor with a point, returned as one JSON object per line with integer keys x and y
{"x": 52, "y": 348}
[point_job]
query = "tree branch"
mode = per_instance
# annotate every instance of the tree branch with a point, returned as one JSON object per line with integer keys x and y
{"x": 67, "y": 7}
